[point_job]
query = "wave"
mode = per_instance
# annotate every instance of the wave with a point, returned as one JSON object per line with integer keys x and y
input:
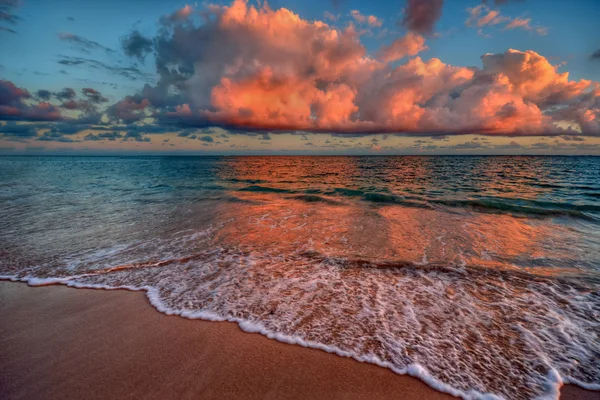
{"x": 264, "y": 189}
{"x": 526, "y": 207}
{"x": 461, "y": 329}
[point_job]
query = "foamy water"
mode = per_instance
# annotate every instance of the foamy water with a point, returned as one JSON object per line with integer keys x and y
{"x": 480, "y": 276}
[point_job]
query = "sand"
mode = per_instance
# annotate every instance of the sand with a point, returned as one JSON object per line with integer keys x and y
{"x": 63, "y": 343}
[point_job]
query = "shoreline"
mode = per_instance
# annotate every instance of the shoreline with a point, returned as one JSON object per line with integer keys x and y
{"x": 61, "y": 342}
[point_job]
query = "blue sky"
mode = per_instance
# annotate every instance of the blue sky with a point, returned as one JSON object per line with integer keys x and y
{"x": 566, "y": 34}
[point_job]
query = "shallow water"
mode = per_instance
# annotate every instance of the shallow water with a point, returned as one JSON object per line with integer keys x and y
{"x": 481, "y": 275}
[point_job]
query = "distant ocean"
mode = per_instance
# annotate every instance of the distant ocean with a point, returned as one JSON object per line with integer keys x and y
{"x": 480, "y": 275}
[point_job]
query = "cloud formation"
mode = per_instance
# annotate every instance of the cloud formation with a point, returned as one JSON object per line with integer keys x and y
{"x": 8, "y": 16}
{"x": 133, "y": 73}
{"x": 136, "y": 45}
{"x": 83, "y": 44}
{"x": 421, "y": 15}
{"x": 17, "y": 104}
{"x": 254, "y": 69}
{"x": 370, "y": 20}
{"x": 482, "y": 15}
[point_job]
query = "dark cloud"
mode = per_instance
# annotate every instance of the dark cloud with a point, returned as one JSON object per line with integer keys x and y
{"x": 14, "y": 105}
{"x": 511, "y": 145}
{"x": 94, "y": 95}
{"x": 13, "y": 131}
{"x": 71, "y": 19}
{"x": 7, "y": 14}
{"x": 136, "y": 45}
{"x": 186, "y": 132}
{"x": 43, "y": 94}
{"x": 266, "y": 136}
{"x": 467, "y": 146}
{"x": 111, "y": 136}
{"x": 128, "y": 110}
{"x": 131, "y": 72}
{"x": 207, "y": 138}
{"x": 151, "y": 129}
{"x": 421, "y": 15}
{"x": 51, "y": 136}
{"x": 83, "y": 44}
{"x": 135, "y": 135}
{"x": 72, "y": 127}
{"x": 595, "y": 55}
{"x": 5, "y": 29}
{"x": 66, "y": 94}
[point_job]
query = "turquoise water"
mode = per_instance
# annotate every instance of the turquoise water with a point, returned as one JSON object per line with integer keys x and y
{"x": 480, "y": 275}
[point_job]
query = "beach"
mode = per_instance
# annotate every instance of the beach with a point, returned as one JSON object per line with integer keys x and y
{"x": 58, "y": 342}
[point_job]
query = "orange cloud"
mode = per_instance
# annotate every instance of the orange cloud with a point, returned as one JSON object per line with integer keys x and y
{"x": 258, "y": 68}
{"x": 408, "y": 45}
{"x": 483, "y": 15}
{"x": 370, "y": 20}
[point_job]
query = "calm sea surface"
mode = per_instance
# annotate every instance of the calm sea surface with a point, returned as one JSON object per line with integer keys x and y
{"x": 481, "y": 275}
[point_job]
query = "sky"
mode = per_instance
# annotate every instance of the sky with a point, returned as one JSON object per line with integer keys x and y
{"x": 300, "y": 77}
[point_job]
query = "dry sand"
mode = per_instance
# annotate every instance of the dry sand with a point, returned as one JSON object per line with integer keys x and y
{"x": 63, "y": 343}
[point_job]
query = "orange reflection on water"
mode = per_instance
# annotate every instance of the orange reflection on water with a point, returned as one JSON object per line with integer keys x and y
{"x": 294, "y": 208}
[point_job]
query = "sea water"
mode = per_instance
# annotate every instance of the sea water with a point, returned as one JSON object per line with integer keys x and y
{"x": 479, "y": 275}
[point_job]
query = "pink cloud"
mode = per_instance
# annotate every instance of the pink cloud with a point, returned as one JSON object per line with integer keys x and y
{"x": 519, "y": 23}
{"x": 408, "y": 45}
{"x": 370, "y": 20}
{"x": 15, "y": 103}
{"x": 271, "y": 69}
{"x": 482, "y": 15}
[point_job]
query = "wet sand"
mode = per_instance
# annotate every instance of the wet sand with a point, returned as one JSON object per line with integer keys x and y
{"x": 63, "y": 343}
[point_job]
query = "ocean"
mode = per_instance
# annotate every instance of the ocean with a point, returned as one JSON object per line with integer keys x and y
{"x": 479, "y": 275}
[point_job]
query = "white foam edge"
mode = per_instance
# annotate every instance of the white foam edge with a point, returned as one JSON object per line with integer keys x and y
{"x": 553, "y": 382}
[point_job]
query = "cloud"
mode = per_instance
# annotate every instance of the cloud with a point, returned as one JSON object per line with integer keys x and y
{"x": 330, "y": 16}
{"x": 83, "y": 44}
{"x": 54, "y": 137}
{"x": 252, "y": 70}
{"x": 44, "y": 95}
{"x": 207, "y": 138}
{"x": 131, "y": 72}
{"x": 136, "y": 45}
{"x": 128, "y": 110}
{"x": 93, "y": 95}
{"x": 5, "y": 29}
{"x": 523, "y": 23}
{"x": 420, "y": 16}
{"x": 370, "y": 20}
{"x": 66, "y": 94}
{"x": 18, "y": 132}
{"x": 595, "y": 55}
{"x": 135, "y": 135}
{"x": 262, "y": 69}
{"x": 15, "y": 104}
{"x": 482, "y": 15}
{"x": 111, "y": 136}
{"x": 7, "y": 14}
{"x": 408, "y": 45}
{"x": 178, "y": 16}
